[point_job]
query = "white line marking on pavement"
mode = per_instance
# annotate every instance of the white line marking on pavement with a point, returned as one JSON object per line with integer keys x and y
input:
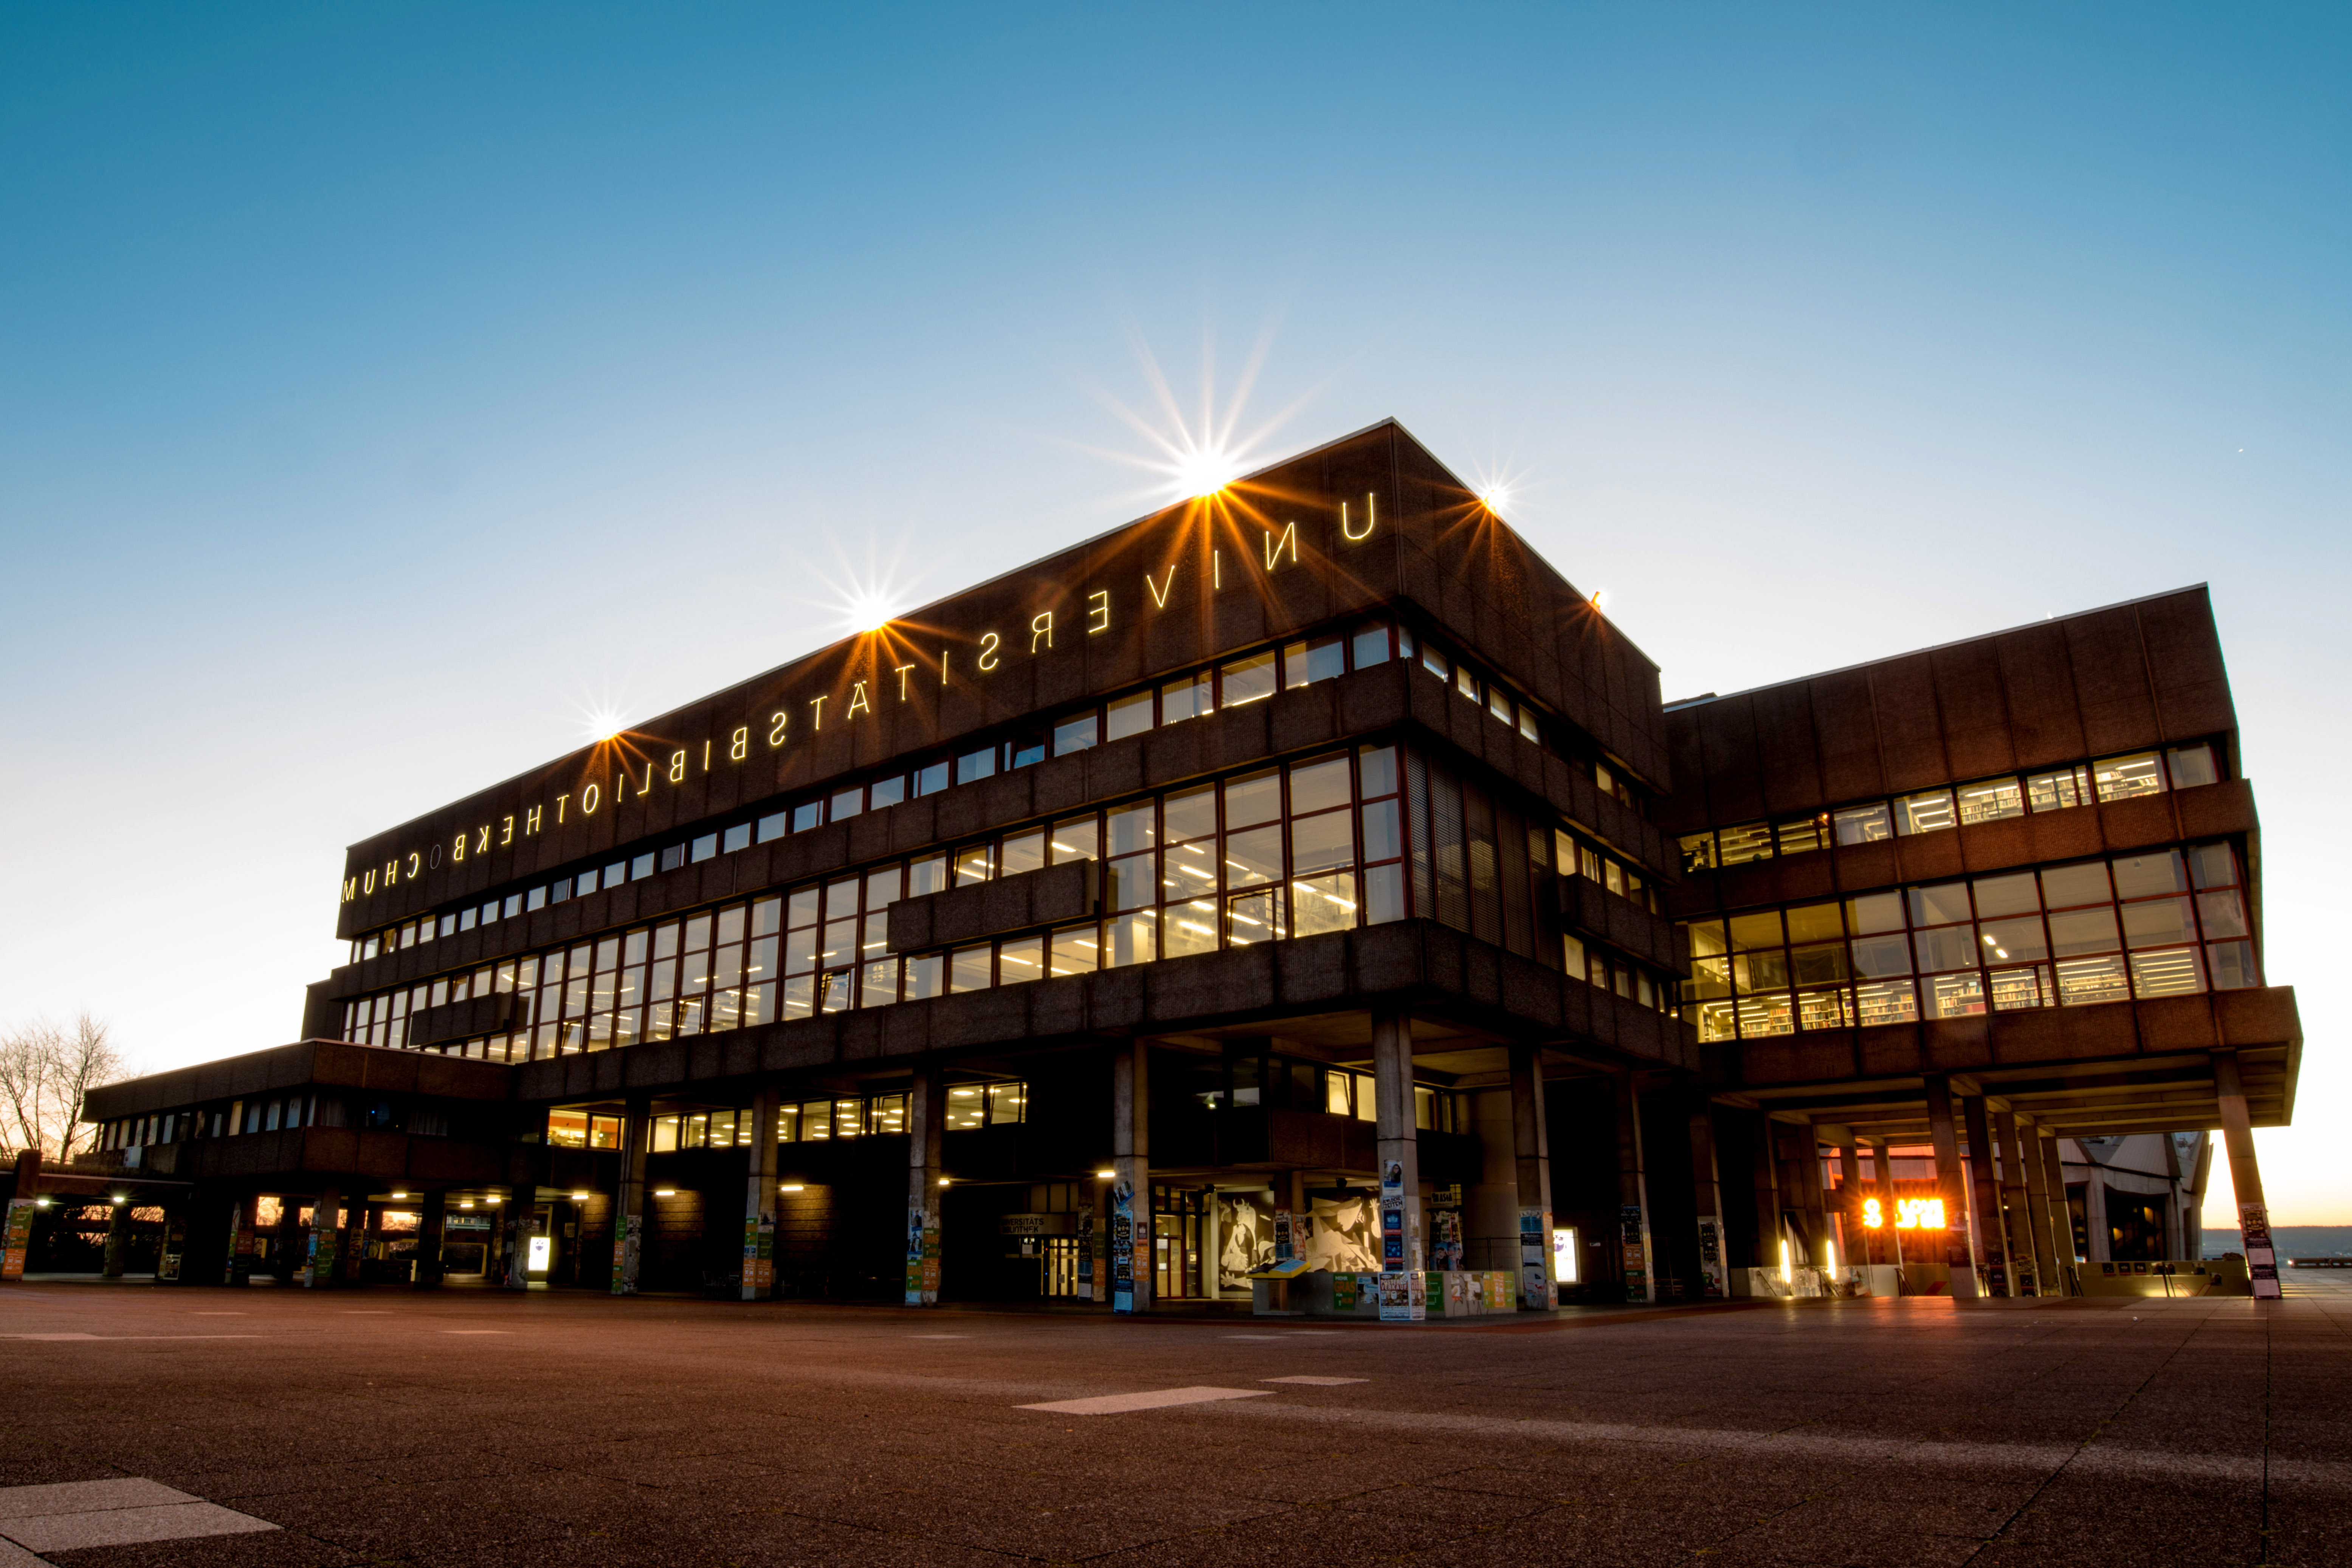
{"x": 1315, "y": 1382}
{"x": 71, "y": 1515}
{"x": 111, "y": 1338}
{"x": 1154, "y": 1399}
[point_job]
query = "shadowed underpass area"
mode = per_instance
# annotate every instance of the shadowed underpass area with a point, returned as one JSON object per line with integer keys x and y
{"x": 379, "y": 1426}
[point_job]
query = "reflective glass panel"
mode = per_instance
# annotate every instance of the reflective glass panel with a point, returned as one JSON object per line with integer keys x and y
{"x": 1249, "y": 679}
{"x": 2141, "y": 876}
{"x": 1862, "y": 824}
{"x": 1928, "y": 813}
{"x": 1252, "y": 799}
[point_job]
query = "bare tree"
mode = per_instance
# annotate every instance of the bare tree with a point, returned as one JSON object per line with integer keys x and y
{"x": 44, "y": 1071}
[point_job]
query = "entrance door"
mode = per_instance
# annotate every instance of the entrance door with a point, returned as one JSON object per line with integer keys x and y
{"x": 1061, "y": 1266}
{"x": 1176, "y": 1243}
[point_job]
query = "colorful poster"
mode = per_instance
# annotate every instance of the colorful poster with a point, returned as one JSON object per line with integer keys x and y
{"x": 2261, "y": 1252}
{"x": 18, "y": 1241}
{"x": 1122, "y": 1249}
{"x": 1343, "y": 1292}
{"x": 628, "y": 1233}
{"x": 1634, "y": 1228}
{"x": 1534, "y": 1258}
{"x": 1710, "y": 1257}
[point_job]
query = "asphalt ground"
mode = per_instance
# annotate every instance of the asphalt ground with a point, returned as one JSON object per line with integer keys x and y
{"x": 472, "y": 1427}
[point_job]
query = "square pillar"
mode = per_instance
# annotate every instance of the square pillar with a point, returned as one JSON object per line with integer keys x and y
{"x": 1764, "y": 1183}
{"x": 2061, "y": 1213}
{"x": 326, "y": 1213}
{"x": 432, "y": 1230}
{"x": 1984, "y": 1198}
{"x": 1887, "y": 1246}
{"x": 1634, "y": 1189}
{"x": 236, "y": 1267}
{"x": 1707, "y": 1186}
{"x": 2016, "y": 1228}
{"x": 1130, "y": 1187}
{"x": 1531, "y": 1153}
{"x": 2047, "y": 1281}
{"x": 2246, "y": 1176}
{"x": 629, "y": 1204}
{"x": 1399, "y": 1161}
{"x": 1852, "y": 1232}
{"x": 515, "y": 1214}
{"x": 1951, "y": 1188}
{"x": 926, "y": 1122}
{"x": 759, "y": 1280}
{"x": 117, "y": 1232}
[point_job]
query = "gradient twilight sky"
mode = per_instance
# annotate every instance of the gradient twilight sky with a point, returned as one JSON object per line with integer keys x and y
{"x": 382, "y": 389}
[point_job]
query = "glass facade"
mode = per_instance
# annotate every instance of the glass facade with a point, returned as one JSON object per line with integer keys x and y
{"x": 1230, "y": 683}
{"x": 1956, "y": 805}
{"x": 1329, "y": 843}
{"x": 2162, "y": 923}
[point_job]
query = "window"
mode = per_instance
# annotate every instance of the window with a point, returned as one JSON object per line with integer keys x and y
{"x": 1027, "y": 751}
{"x": 886, "y": 791}
{"x": 1801, "y": 836}
{"x": 1371, "y": 645}
{"x": 1991, "y": 800}
{"x": 973, "y": 766}
{"x": 1698, "y": 852}
{"x": 1313, "y": 659}
{"x": 1750, "y": 841}
{"x": 2060, "y": 790}
{"x": 1246, "y": 679}
{"x": 846, "y": 803}
{"x": 1862, "y": 824}
{"x": 2170, "y": 922}
{"x": 1129, "y": 715}
{"x": 705, "y": 848}
{"x": 2121, "y": 778}
{"x": 931, "y": 780}
{"x": 1190, "y": 696}
{"x": 1074, "y": 735}
{"x": 2191, "y": 766}
{"x": 1928, "y": 813}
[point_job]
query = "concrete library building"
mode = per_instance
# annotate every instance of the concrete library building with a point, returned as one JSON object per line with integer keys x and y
{"x": 1301, "y": 898}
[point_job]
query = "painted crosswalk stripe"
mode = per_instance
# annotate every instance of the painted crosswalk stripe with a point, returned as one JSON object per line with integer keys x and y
{"x": 1151, "y": 1399}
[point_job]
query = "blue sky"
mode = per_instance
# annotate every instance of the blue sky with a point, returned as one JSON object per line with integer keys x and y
{"x": 382, "y": 388}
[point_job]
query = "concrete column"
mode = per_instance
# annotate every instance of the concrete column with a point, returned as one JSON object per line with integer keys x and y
{"x": 2016, "y": 1208}
{"x": 1290, "y": 1221}
{"x": 237, "y": 1267}
{"x": 282, "y": 1265}
{"x": 1984, "y": 1198}
{"x": 1399, "y": 1144}
{"x": 629, "y": 1203}
{"x": 326, "y": 1216}
{"x": 1634, "y": 1190}
{"x": 1889, "y": 1243}
{"x": 2246, "y": 1176}
{"x": 1211, "y": 1244}
{"x": 1852, "y": 1232}
{"x": 515, "y": 1205}
{"x": 432, "y": 1230}
{"x": 760, "y": 1201}
{"x": 1706, "y": 1188}
{"x": 926, "y": 1120}
{"x": 117, "y": 1232}
{"x": 2061, "y": 1214}
{"x": 1764, "y": 1179}
{"x": 1130, "y": 1187}
{"x": 1949, "y": 1185}
{"x": 2047, "y": 1279}
{"x": 1531, "y": 1152}
{"x": 363, "y": 1222}
{"x": 1811, "y": 1201}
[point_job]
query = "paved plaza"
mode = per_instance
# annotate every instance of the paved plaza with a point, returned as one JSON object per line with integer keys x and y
{"x": 271, "y": 1427}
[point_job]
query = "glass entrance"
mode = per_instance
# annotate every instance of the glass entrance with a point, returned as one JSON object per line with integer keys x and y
{"x": 1176, "y": 1243}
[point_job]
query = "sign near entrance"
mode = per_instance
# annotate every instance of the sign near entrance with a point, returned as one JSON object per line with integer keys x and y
{"x": 1910, "y": 1214}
